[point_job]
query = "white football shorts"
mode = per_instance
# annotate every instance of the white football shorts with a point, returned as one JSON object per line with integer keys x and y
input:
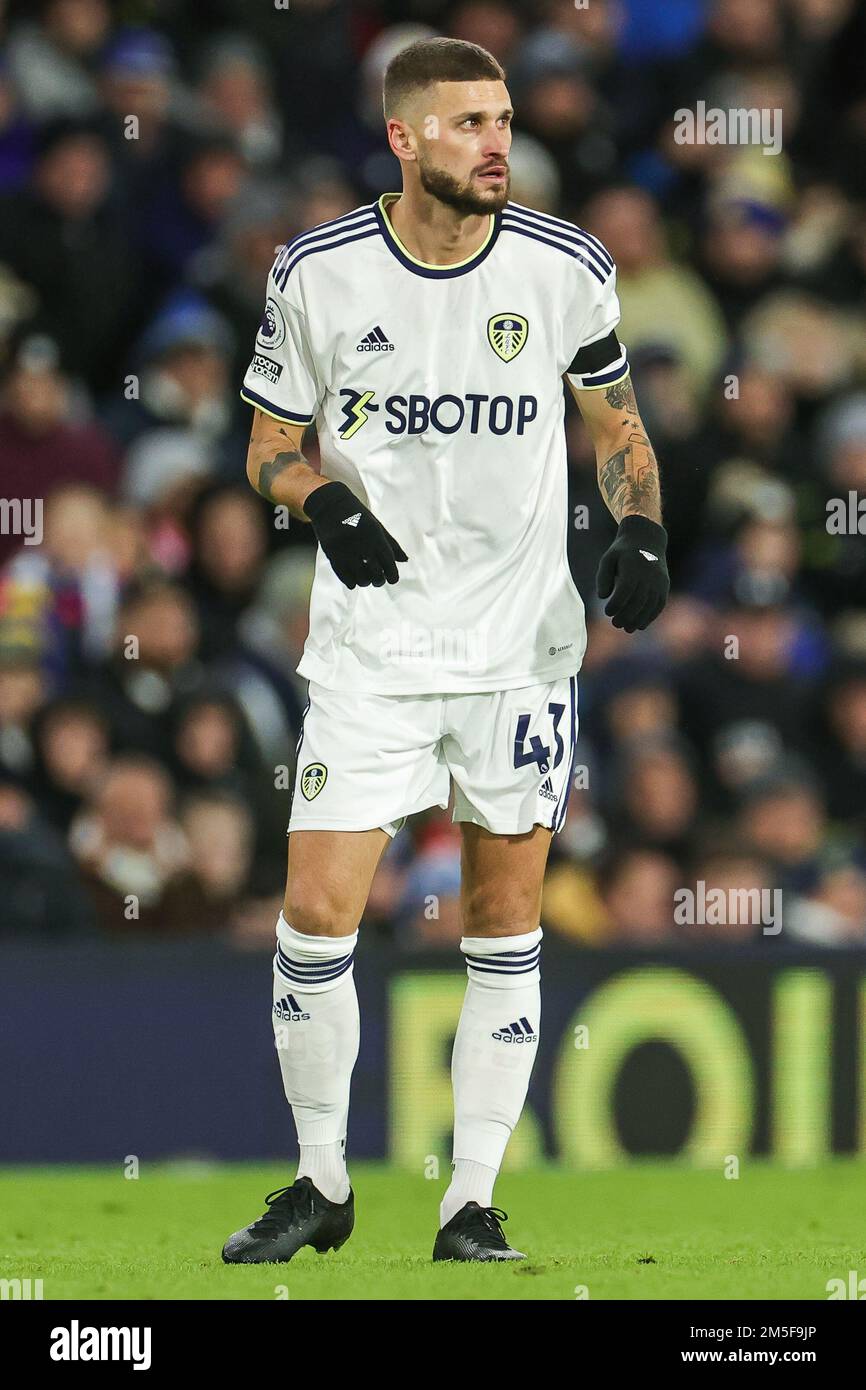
{"x": 367, "y": 761}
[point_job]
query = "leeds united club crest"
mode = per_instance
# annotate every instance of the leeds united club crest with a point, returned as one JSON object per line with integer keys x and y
{"x": 313, "y": 778}
{"x": 506, "y": 334}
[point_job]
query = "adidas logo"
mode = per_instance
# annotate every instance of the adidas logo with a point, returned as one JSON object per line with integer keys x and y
{"x": 648, "y": 555}
{"x": 375, "y": 341}
{"x": 520, "y": 1032}
{"x": 351, "y": 520}
{"x": 289, "y": 1009}
{"x": 546, "y": 790}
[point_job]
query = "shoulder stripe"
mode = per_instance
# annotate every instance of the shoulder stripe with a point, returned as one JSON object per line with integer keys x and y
{"x": 573, "y": 237}
{"x": 318, "y": 233}
{"x": 366, "y": 230}
{"x": 577, "y": 254}
{"x": 322, "y": 232}
{"x": 335, "y": 224}
{"x": 564, "y": 227}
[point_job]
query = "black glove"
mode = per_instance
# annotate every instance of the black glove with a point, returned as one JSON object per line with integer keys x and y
{"x": 359, "y": 548}
{"x": 633, "y": 574}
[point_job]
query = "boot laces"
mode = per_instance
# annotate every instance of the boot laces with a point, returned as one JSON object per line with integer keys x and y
{"x": 491, "y": 1219}
{"x": 284, "y": 1206}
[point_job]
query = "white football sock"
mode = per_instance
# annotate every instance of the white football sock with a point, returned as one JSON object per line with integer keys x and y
{"x": 317, "y": 1032}
{"x": 470, "y": 1182}
{"x": 494, "y": 1049}
{"x": 325, "y": 1166}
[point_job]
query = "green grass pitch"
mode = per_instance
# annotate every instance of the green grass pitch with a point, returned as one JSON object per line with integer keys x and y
{"x": 647, "y": 1231}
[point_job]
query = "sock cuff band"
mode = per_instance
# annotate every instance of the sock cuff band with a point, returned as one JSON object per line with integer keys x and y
{"x": 493, "y": 959}
{"x": 500, "y": 945}
{"x": 299, "y": 946}
{"x": 312, "y": 963}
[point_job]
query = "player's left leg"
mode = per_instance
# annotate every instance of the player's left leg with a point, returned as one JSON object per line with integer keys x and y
{"x": 510, "y": 754}
{"x": 497, "y": 1035}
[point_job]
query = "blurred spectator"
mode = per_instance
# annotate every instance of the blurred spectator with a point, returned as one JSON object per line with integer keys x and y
{"x": 64, "y": 236}
{"x": 232, "y": 271}
{"x": 235, "y": 88}
{"x": 59, "y": 600}
{"x": 185, "y": 212}
{"x": 357, "y": 134}
{"x": 834, "y": 912}
{"x": 749, "y": 672}
{"x": 842, "y": 748}
{"x": 53, "y": 57}
{"x": 175, "y": 419}
{"x": 153, "y": 663}
{"x": 17, "y": 135}
{"x": 41, "y": 447}
{"x": 741, "y": 876}
{"x": 535, "y": 179}
{"x": 658, "y": 802}
{"x": 42, "y": 895}
{"x": 139, "y": 101}
{"x": 785, "y": 822}
{"x": 427, "y": 910}
{"x": 134, "y": 858}
{"x": 229, "y": 529}
{"x": 214, "y": 755}
{"x": 562, "y": 109}
{"x": 637, "y": 891}
{"x": 219, "y": 831}
{"x": 815, "y": 347}
{"x": 71, "y": 743}
{"x": 494, "y": 25}
{"x": 662, "y": 302}
{"x": 23, "y": 689}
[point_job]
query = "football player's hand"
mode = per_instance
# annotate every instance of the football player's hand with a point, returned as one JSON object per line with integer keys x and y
{"x": 633, "y": 574}
{"x": 359, "y": 548}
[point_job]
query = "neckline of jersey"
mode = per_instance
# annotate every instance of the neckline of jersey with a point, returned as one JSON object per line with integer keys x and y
{"x": 433, "y": 272}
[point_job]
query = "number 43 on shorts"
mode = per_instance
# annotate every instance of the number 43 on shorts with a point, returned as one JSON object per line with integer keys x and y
{"x": 538, "y": 752}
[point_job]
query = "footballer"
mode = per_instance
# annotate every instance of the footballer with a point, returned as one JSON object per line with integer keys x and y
{"x": 427, "y": 336}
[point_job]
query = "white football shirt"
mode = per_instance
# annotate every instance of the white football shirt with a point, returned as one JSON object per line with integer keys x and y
{"x": 437, "y": 392}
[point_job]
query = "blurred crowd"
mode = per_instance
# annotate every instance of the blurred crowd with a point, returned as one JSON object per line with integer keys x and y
{"x": 152, "y": 157}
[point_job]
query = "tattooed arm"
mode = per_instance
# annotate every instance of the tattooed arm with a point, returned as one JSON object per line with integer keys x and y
{"x": 633, "y": 573}
{"x": 360, "y": 551}
{"x": 276, "y": 467}
{"x": 628, "y": 475}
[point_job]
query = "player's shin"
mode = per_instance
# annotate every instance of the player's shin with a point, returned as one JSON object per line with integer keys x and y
{"x": 317, "y": 1031}
{"x": 494, "y": 1050}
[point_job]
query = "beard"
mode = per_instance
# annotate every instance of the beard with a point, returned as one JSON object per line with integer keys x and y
{"x": 463, "y": 197}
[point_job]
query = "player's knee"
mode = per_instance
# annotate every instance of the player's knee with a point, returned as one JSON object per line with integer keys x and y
{"x": 311, "y": 909}
{"x": 511, "y": 915}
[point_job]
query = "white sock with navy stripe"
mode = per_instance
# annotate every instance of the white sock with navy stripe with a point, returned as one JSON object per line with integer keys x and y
{"x": 494, "y": 1049}
{"x": 317, "y": 1031}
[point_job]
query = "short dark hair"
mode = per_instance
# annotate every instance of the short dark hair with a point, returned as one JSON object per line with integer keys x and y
{"x": 435, "y": 60}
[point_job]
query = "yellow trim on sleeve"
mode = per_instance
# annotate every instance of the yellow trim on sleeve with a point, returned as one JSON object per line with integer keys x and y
{"x": 281, "y": 419}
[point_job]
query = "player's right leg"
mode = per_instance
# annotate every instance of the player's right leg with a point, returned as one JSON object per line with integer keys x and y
{"x": 364, "y": 763}
{"x": 316, "y": 1030}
